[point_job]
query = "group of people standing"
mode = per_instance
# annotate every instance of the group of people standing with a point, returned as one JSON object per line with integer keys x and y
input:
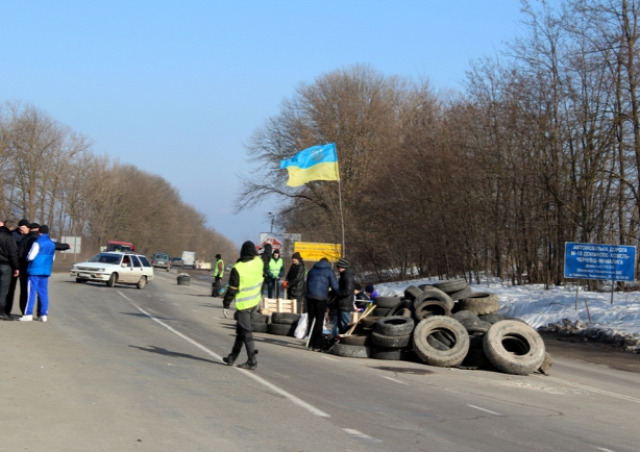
{"x": 26, "y": 256}
{"x": 319, "y": 287}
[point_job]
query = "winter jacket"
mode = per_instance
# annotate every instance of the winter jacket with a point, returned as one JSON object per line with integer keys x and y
{"x": 247, "y": 254}
{"x": 295, "y": 278}
{"x": 319, "y": 280}
{"x": 8, "y": 248}
{"x": 346, "y": 290}
{"x": 266, "y": 258}
{"x": 41, "y": 256}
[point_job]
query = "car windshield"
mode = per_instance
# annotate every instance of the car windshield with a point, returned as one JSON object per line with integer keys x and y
{"x": 107, "y": 258}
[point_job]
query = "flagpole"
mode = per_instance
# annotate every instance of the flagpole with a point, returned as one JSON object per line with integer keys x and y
{"x": 341, "y": 216}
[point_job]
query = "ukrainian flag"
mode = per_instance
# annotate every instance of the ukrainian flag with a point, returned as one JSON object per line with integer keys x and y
{"x": 314, "y": 163}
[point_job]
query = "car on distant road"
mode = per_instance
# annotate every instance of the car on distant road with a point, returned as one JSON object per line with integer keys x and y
{"x": 161, "y": 260}
{"x": 176, "y": 262}
{"x": 114, "y": 267}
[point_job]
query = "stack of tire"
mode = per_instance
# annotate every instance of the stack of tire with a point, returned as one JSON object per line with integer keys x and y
{"x": 283, "y": 323}
{"x": 391, "y": 337}
{"x": 183, "y": 279}
{"x": 454, "y": 326}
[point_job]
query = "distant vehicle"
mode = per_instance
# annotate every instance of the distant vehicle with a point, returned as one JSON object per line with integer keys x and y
{"x": 161, "y": 260}
{"x": 189, "y": 259}
{"x": 114, "y": 267}
{"x": 123, "y": 247}
{"x": 176, "y": 262}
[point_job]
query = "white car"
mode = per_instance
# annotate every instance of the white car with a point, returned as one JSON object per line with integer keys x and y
{"x": 113, "y": 267}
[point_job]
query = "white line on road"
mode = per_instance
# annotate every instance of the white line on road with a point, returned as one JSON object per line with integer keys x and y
{"x": 359, "y": 434}
{"x": 597, "y": 391}
{"x": 301, "y": 403}
{"x": 394, "y": 380}
{"x": 484, "y": 409}
{"x": 603, "y": 449}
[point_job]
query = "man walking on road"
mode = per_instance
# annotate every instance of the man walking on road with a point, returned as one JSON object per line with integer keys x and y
{"x": 245, "y": 288}
{"x": 218, "y": 274}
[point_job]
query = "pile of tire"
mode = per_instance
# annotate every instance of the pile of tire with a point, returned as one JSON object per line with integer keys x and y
{"x": 184, "y": 279}
{"x": 454, "y": 326}
{"x": 283, "y": 323}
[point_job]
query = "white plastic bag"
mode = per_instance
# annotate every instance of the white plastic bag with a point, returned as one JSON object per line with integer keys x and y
{"x": 301, "y": 328}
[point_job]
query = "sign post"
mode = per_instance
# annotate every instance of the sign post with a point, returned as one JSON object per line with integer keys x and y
{"x": 599, "y": 261}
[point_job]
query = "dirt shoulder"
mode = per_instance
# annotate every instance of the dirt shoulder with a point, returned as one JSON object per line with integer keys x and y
{"x": 597, "y": 353}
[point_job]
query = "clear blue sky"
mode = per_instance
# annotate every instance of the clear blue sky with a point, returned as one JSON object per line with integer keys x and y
{"x": 177, "y": 87}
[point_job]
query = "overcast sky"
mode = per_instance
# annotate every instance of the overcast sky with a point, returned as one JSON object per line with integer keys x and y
{"x": 177, "y": 87}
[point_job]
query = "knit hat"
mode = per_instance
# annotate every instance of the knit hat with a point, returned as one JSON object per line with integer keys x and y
{"x": 44, "y": 229}
{"x": 218, "y": 256}
{"x": 296, "y": 255}
{"x": 342, "y": 263}
{"x": 276, "y": 252}
{"x": 34, "y": 226}
{"x": 23, "y": 222}
{"x": 248, "y": 249}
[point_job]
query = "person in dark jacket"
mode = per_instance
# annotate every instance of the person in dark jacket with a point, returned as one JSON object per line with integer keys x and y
{"x": 295, "y": 280}
{"x": 8, "y": 266}
{"x": 18, "y": 233}
{"x": 346, "y": 295}
{"x": 319, "y": 281}
{"x": 266, "y": 258}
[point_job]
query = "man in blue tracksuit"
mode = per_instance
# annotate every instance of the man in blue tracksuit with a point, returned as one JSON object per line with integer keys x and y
{"x": 40, "y": 258}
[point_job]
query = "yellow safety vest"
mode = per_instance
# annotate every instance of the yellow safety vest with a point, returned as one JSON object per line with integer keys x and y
{"x": 251, "y": 279}
{"x": 219, "y": 273}
{"x": 275, "y": 266}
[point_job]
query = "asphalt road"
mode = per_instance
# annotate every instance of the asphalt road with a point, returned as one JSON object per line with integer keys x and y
{"x": 126, "y": 369}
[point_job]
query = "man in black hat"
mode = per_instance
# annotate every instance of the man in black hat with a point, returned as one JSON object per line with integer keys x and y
{"x": 346, "y": 295}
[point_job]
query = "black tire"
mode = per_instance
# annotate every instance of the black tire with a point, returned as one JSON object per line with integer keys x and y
{"x": 382, "y": 312}
{"x": 480, "y": 303}
{"x": 394, "y": 326}
{"x": 382, "y": 340}
{"x": 386, "y": 302}
{"x": 259, "y": 327}
{"x": 466, "y": 292}
{"x": 479, "y": 328}
{"x": 514, "y": 347}
{"x": 428, "y": 308}
{"x": 356, "y": 339}
{"x": 256, "y": 317}
{"x": 183, "y": 279}
{"x": 476, "y": 359}
{"x": 142, "y": 283}
{"x": 491, "y": 318}
{"x": 80, "y": 280}
{"x": 281, "y": 329}
{"x": 285, "y": 318}
{"x": 369, "y": 321}
{"x": 350, "y": 351}
{"x": 395, "y": 354}
{"x": 431, "y": 293}
{"x": 112, "y": 280}
{"x": 412, "y": 292}
{"x": 451, "y": 285}
{"x": 465, "y": 316}
{"x": 453, "y": 355}
{"x": 401, "y": 307}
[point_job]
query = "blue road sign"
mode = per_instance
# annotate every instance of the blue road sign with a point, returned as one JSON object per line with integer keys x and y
{"x": 597, "y": 261}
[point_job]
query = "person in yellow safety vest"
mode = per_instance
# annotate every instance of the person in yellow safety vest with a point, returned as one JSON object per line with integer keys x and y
{"x": 245, "y": 288}
{"x": 275, "y": 270}
{"x": 218, "y": 273}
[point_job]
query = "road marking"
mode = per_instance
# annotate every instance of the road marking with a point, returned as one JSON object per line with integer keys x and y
{"x": 596, "y": 390}
{"x": 394, "y": 380}
{"x": 603, "y": 449}
{"x": 301, "y": 403}
{"x": 360, "y": 435}
{"x": 484, "y": 409}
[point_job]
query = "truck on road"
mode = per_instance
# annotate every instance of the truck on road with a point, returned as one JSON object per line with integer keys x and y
{"x": 189, "y": 259}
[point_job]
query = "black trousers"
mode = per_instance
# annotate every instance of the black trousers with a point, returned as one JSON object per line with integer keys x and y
{"x": 244, "y": 334}
{"x": 316, "y": 310}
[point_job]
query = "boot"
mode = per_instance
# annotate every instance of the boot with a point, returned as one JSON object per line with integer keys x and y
{"x": 251, "y": 364}
{"x": 229, "y": 360}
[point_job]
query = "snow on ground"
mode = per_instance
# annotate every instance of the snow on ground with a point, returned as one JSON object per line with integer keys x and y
{"x": 540, "y": 307}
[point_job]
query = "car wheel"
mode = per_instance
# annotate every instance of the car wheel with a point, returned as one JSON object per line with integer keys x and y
{"x": 142, "y": 282}
{"x": 112, "y": 280}
{"x": 80, "y": 280}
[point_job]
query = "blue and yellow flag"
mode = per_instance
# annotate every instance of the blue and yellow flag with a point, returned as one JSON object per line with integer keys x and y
{"x": 314, "y": 163}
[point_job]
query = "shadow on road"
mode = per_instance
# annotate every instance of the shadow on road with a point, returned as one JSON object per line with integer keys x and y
{"x": 165, "y": 352}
